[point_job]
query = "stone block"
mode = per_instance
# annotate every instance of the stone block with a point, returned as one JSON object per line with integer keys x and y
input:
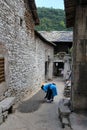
{"x": 1, "y": 119}
{"x": 5, "y": 115}
{"x": 64, "y": 110}
{"x": 67, "y": 102}
{"x": 65, "y": 121}
{"x": 0, "y": 110}
{"x": 7, "y": 103}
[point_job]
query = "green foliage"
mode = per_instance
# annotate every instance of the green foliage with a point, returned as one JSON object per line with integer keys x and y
{"x": 51, "y": 19}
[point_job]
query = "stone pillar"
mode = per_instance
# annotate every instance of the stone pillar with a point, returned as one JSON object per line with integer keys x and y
{"x": 50, "y": 70}
{"x": 67, "y": 67}
{"x": 79, "y": 72}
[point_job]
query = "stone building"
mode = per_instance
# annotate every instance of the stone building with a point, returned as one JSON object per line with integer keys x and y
{"x": 23, "y": 52}
{"x": 45, "y": 49}
{"x": 76, "y": 17}
{"x": 63, "y": 41}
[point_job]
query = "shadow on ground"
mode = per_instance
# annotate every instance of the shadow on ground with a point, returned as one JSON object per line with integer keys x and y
{"x": 33, "y": 104}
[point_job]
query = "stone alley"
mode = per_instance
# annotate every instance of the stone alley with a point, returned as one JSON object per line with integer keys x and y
{"x": 35, "y": 114}
{"x": 28, "y": 59}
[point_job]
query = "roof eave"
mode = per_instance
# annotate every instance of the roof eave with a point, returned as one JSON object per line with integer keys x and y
{"x": 43, "y": 39}
{"x": 33, "y": 9}
{"x": 70, "y": 9}
{"x": 69, "y": 12}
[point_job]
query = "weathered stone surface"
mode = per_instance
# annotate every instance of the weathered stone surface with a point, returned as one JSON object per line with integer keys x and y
{"x": 64, "y": 110}
{"x": 64, "y": 113}
{"x": 5, "y": 115}
{"x": 7, "y": 103}
{"x": 79, "y": 80}
{"x": 1, "y": 119}
{"x": 25, "y": 53}
{"x": 65, "y": 121}
{"x": 0, "y": 110}
{"x": 58, "y": 35}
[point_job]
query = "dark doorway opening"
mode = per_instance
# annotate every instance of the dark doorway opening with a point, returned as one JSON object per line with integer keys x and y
{"x": 58, "y": 68}
{"x": 46, "y": 67}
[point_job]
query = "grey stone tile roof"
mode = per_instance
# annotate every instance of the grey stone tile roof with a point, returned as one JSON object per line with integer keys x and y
{"x": 57, "y": 36}
{"x": 44, "y": 39}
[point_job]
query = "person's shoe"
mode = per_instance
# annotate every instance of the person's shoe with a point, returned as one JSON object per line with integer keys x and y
{"x": 51, "y": 100}
{"x": 48, "y": 101}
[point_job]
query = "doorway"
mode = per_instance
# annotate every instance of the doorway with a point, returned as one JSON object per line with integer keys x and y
{"x": 58, "y": 68}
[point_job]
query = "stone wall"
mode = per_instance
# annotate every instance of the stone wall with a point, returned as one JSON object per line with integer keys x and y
{"x": 43, "y": 51}
{"x": 79, "y": 83}
{"x": 24, "y": 58}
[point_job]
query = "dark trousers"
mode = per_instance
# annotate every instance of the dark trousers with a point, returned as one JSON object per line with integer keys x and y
{"x": 49, "y": 94}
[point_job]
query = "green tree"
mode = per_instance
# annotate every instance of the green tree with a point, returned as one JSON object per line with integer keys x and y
{"x": 51, "y": 19}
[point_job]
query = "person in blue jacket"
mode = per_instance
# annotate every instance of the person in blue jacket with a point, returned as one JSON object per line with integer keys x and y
{"x": 51, "y": 91}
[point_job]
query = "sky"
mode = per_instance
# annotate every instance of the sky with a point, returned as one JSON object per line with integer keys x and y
{"x": 57, "y": 4}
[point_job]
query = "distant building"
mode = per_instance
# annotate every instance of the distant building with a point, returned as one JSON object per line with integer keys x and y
{"x": 63, "y": 41}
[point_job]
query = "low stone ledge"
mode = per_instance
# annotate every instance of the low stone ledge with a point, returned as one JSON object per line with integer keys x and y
{"x": 64, "y": 113}
{"x": 5, "y": 115}
{"x": 7, "y": 103}
{"x": 1, "y": 119}
{"x": 64, "y": 110}
{"x": 6, "y": 107}
{"x": 0, "y": 110}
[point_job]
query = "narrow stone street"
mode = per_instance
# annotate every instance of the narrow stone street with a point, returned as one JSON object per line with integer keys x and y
{"x": 35, "y": 114}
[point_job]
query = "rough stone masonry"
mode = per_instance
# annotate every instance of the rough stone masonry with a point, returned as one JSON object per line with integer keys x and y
{"x": 24, "y": 55}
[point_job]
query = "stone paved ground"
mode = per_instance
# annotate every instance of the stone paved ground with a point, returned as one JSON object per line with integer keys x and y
{"x": 32, "y": 104}
{"x": 35, "y": 114}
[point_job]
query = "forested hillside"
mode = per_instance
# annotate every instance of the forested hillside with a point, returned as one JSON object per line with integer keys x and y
{"x": 51, "y": 19}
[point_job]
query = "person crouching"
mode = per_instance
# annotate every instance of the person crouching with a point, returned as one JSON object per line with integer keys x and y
{"x": 51, "y": 91}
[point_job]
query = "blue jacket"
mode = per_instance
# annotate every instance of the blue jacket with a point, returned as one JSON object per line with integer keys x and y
{"x": 52, "y": 87}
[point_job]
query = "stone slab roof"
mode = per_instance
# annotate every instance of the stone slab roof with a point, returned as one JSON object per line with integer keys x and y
{"x": 58, "y": 36}
{"x": 44, "y": 39}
